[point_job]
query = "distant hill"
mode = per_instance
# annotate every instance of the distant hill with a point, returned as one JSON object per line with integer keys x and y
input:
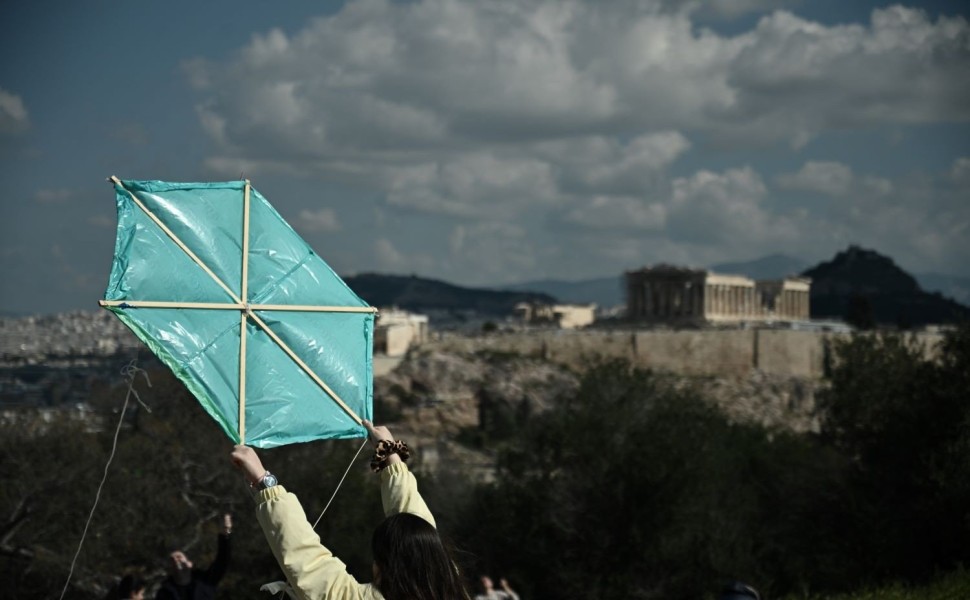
{"x": 892, "y": 295}
{"x": 611, "y": 291}
{"x": 858, "y": 279}
{"x": 417, "y": 294}
{"x": 773, "y": 266}
{"x": 605, "y": 292}
{"x": 951, "y": 286}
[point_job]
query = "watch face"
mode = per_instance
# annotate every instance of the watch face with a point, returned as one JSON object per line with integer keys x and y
{"x": 269, "y": 481}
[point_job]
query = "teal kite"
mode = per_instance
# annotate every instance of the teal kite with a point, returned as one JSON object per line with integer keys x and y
{"x": 272, "y": 343}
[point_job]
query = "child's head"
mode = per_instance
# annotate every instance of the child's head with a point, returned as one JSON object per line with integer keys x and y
{"x": 410, "y": 561}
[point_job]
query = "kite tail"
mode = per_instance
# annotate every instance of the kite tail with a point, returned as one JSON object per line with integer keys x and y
{"x": 130, "y": 371}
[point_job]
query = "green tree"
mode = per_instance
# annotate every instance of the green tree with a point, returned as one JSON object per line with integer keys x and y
{"x": 634, "y": 488}
{"x": 900, "y": 415}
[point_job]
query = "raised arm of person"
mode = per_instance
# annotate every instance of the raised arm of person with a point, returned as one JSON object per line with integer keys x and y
{"x": 213, "y": 575}
{"x": 311, "y": 569}
{"x": 399, "y": 488}
{"x": 509, "y": 592}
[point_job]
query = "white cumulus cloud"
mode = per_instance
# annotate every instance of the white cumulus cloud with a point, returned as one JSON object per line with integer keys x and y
{"x": 319, "y": 220}
{"x": 13, "y": 113}
{"x": 52, "y": 195}
{"x": 833, "y": 179}
{"x": 589, "y": 116}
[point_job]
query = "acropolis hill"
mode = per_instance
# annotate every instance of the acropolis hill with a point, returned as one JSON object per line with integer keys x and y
{"x": 82, "y": 338}
{"x": 729, "y": 341}
{"x": 453, "y": 382}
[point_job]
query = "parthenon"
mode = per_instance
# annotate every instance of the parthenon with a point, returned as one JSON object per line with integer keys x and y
{"x": 679, "y": 295}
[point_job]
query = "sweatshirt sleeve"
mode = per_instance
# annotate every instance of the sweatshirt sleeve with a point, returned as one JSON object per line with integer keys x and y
{"x": 399, "y": 493}
{"x": 311, "y": 569}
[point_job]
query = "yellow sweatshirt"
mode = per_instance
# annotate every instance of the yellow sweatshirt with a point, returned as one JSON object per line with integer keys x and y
{"x": 311, "y": 569}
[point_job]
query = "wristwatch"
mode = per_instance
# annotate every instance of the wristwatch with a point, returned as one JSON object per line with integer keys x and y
{"x": 268, "y": 480}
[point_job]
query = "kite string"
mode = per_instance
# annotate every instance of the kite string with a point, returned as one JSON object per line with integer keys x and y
{"x": 352, "y": 461}
{"x": 129, "y": 371}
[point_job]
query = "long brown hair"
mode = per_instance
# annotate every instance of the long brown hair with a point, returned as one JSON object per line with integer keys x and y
{"x": 413, "y": 561}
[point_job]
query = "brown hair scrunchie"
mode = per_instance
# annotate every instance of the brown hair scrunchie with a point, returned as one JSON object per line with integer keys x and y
{"x": 383, "y": 452}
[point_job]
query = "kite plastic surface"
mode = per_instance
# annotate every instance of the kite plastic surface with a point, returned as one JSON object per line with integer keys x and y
{"x": 236, "y": 321}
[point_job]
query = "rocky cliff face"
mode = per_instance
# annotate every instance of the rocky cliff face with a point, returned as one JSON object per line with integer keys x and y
{"x": 452, "y": 406}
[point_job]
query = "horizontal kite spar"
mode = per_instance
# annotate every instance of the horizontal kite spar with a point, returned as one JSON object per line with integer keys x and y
{"x": 277, "y": 269}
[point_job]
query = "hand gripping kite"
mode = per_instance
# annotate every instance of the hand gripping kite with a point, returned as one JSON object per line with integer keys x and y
{"x": 272, "y": 343}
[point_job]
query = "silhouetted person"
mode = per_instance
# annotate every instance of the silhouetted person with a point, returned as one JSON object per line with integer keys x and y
{"x": 129, "y": 588}
{"x": 490, "y": 593}
{"x": 737, "y": 590}
{"x": 186, "y": 583}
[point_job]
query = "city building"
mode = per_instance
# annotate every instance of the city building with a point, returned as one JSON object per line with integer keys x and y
{"x": 563, "y": 316}
{"x": 397, "y": 330}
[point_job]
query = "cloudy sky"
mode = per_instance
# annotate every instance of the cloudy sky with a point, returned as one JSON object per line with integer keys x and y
{"x": 493, "y": 141}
